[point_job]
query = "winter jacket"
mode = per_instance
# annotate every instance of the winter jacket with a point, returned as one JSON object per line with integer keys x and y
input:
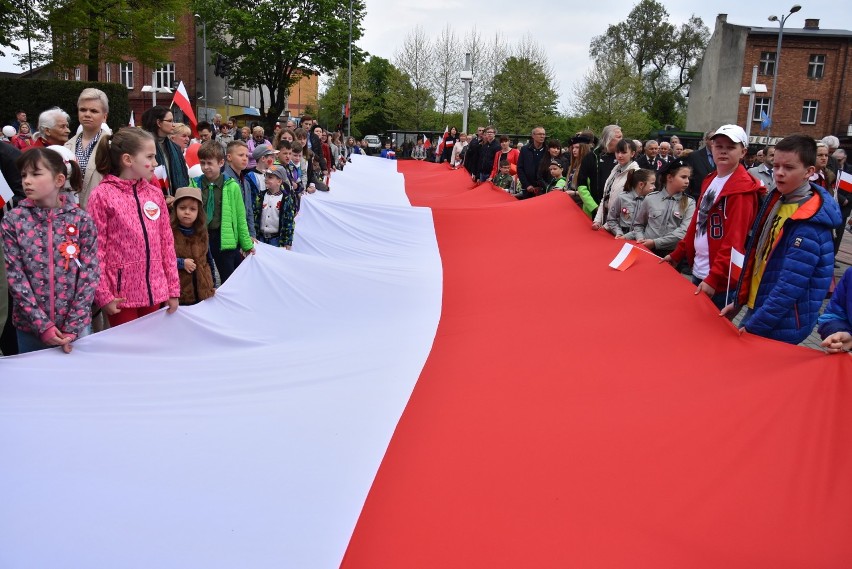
{"x": 664, "y": 219}
{"x": 248, "y": 191}
{"x": 622, "y": 214}
{"x": 528, "y": 162}
{"x": 252, "y": 144}
{"x": 594, "y": 170}
{"x": 798, "y": 272}
{"x": 618, "y": 178}
{"x": 193, "y": 243}
{"x": 728, "y": 224}
{"x": 233, "y": 231}
{"x": 511, "y": 157}
{"x": 49, "y": 288}
{"x": 486, "y": 156}
{"x": 838, "y": 314}
{"x": 136, "y": 249}
{"x": 764, "y": 174}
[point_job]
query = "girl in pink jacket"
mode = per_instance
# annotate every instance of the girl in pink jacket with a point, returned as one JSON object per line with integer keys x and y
{"x": 51, "y": 262}
{"x": 135, "y": 242}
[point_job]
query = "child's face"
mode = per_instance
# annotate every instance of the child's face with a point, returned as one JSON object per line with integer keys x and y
{"x": 238, "y": 158}
{"x": 266, "y": 162}
{"x": 789, "y": 171}
{"x": 623, "y": 157}
{"x": 505, "y": 170}
{"x": 727, "y": 153}
{"x": 211, "y": 168}
{"x": 273, "y": 183}
{"x": 296, "y": 157}
{"x": 186, "y": 211}
{"x": 140, "y": 165}
{"x": 555, "y": 171}
{"x": 41, "y": 185}
{"x": 645, "y": 188}
{"x": 678, "y": 181}
{"x": 285, "y": 155}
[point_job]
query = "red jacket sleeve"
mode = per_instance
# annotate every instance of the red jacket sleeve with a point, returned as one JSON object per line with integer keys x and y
{"x": 740, "y": 210}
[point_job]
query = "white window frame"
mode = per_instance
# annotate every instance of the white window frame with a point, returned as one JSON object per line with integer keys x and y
{"x": 108, "y": 73}
{"x": 760, "y": 104}
{"x": 76, "y": 74}
{"x": 767, "y": 59}
{"x": 808, "y": 107}
{"x": 165, "y": 74}
{"x": 816, "y": 66}
{"x": 164, "y": 27}
{"x": 125, "y": 70}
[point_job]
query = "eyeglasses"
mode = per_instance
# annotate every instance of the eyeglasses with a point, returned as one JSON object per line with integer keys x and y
{"x": 168, "y": 120}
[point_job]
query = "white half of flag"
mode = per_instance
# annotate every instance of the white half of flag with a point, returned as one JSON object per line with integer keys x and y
{"x": 737, "y": 258}
{"x": 6, "y": 193}
{"x": 626, "y": 257}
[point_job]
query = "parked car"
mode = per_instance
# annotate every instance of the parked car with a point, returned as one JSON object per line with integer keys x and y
{"x": 374, "y": 145}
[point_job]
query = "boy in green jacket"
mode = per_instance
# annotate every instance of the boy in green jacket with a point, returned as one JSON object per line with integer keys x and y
{"x": 226, "y": 213}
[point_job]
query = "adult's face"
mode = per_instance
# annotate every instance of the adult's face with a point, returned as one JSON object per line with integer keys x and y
{"x": 204, "y": 135}
{"x": 616, "y": 136}
{"x": 677, "y": 150}
{"x": 664, "y": 149}
{"x": 307, "y": 125}
{"x": 181, "y": 139}
{"x": 769, "y": 157}
{"x": 91, "y": 115}
{"x": 651, "y": 149}
{"x": 166, "y": 125}
{"x": 489, "y": 135}
{"x": 291, "y": 124}
{"x": 22, "y": 117}
{"x": 504, "y": 145}
{"x": 59, "y": 133}
{"x": 822, "y": 157}
{"x": 538, "y": 137}
{"x": 554, "y": 151}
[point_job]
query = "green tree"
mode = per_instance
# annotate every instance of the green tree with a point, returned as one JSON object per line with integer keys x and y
{"x": 611, "y": 93}
{"x": 663, "y": 55}
{"x": 268, "y": 42}
{"x": 522, "y": 95}
{"x": 90, "y": 32}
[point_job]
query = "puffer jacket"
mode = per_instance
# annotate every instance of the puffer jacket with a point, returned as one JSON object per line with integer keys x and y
{"x": 136, "y": 249}
{"x": 798, "y": 271}
{"x": 838, "y": 314}
{"x": 50, "y": 289}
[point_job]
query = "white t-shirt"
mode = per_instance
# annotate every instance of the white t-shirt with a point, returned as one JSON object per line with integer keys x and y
{"x": 270, "y": 215}
{"x": 701, "y": 263}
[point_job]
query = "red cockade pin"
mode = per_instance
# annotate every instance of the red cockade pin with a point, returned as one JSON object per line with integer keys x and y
{"x": 71, "y": 230}
{"x": 70, "y": 250}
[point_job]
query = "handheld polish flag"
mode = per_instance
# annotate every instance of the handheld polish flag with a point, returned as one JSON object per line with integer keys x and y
{"x": 735, "y": 268}
{"x": 426, "y": 142}
{"x": 6, "y": 193}
{"x": 162, "y": 178}
{"x": 625, "y": 258}
{"x": 844, "y": 182}
{"x": 181, "y": 99}
{"x": 440, "y": 148}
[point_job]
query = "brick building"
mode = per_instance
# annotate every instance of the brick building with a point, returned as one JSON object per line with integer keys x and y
{"x": 814, "y": 87}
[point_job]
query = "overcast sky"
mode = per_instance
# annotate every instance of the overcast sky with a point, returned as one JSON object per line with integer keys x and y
{"x": 564, "y": 29}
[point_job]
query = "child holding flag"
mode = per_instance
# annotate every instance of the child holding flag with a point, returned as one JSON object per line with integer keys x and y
{"x": 790, "y": 254}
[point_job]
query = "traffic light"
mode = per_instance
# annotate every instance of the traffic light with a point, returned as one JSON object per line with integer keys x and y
{"x": 223, "y": 66}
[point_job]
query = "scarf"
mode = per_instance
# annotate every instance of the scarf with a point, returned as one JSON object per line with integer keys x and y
{"x": 798, "y": 195}
{"x": 171, "y": 157}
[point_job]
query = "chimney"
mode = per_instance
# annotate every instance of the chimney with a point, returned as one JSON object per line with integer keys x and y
{"x": 721, "y": 19}
{"x": 812, "y": 24}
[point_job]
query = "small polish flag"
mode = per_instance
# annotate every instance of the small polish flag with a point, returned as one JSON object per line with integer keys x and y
{"x": 442, "y": 142}
{"x": 625, "y": 258}
{"x": 162, "y": 178}
{"x": 181, "y": 99}
{"x": 737, "y": 263}
{"x": 6, "y": 193}
{"x": 844, "y": 182}
{"x": 426, "y": 142}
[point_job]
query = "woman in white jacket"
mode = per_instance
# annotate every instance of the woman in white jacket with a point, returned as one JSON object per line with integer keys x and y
{"x": 625, "y": 152}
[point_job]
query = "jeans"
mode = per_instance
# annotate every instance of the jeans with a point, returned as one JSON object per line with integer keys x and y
{"x": 30, "y": 342}
{"x": 274, "y": 241}
{"x": 226, "y": 261}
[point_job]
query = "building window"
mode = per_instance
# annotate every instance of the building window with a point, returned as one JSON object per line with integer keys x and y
{"x": 165, "y": 74}
{"x": 164, "y": 27}
{"x": 76, "y": 74}
{"x": 767, "y": 63}
{"x": 809, "y": 112}
{"x": 761, "y": 105}
{"x": 126, "y": 70}
{"x": 108, "y": 73}
{"x": 65, "y": 75}
{"x": 816, "y": 67}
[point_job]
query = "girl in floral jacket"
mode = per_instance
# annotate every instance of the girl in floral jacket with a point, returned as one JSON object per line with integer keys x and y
{"x": 51, "y": 255}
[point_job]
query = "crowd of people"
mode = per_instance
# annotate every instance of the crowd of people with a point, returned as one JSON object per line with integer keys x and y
{"x": 757, "y": 231}
{"x": 107, "y": 227}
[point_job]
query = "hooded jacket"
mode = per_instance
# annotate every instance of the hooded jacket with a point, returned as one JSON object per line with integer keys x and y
{"x": 136, "y": 250}
{"x": 728, "y": 224}
{"x": 838, "y": 314}
{"x": 798, "y": 271}
{"x": 193, "y": 243}
{"x": 49, "y": 289}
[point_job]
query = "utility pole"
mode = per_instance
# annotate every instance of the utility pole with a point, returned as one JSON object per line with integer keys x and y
{"x": 349, "y": 95}
{"x": 467, "y": 78}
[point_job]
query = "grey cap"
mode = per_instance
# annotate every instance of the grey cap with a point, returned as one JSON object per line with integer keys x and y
{"x": 262, "y": 150}
{"x": 278, "y": 171}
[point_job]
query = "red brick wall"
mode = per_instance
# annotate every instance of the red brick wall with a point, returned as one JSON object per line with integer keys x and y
{"x": 794, "y": 87}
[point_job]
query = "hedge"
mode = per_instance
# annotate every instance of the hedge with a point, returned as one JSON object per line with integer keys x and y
{"x": 37, "y": 95}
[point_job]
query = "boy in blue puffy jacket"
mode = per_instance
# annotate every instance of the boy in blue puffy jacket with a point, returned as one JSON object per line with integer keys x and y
{"x": 790, "y": 251}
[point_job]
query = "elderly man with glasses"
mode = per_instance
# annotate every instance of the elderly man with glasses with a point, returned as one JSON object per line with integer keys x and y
{"x": 528, "y": 162}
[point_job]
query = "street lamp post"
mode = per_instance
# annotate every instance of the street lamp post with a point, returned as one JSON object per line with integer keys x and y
{"x": 204, "y": 57}
{"x": 781, "y": 22}
{"x": 348, "y": 114}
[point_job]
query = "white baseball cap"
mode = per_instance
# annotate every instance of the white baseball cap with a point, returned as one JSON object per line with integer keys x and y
{"x": 734, "y": 132}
